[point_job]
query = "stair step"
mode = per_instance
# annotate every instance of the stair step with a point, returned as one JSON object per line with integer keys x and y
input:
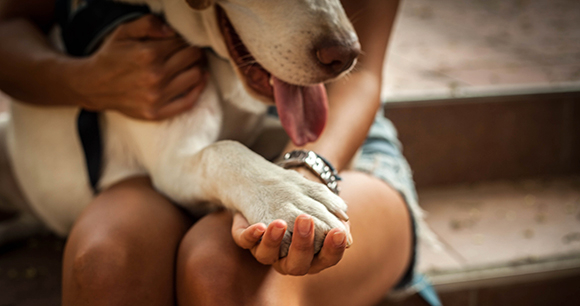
{"x": 503, "y": 232}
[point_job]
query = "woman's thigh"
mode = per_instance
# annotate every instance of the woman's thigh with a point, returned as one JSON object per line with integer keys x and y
{"x": 213, "y": 269}
{"x": 121, "y": 250}
{"x": 383, "y": 245}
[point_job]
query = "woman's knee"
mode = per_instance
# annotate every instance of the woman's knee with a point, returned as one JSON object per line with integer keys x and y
{"x": 204, "y": 266}
{"x": 100, "y": 261}
{"x": 114, "y": 253}
{"x": 110, "y": 267}
{"x": 210, "y": 265}
{"x": 203, "y": 252}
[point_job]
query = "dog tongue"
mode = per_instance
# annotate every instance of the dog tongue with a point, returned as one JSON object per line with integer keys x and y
{"x": 302, "y": 110}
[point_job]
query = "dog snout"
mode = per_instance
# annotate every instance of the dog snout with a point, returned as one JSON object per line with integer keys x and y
{"x": 337, "y": 55}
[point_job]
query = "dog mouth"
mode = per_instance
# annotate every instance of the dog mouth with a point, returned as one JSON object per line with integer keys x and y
{"x": 303, "y": 110}
{"x": 256, "y": 77}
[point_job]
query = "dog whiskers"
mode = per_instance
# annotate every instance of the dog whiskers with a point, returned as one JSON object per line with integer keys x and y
{"x": 247, "y": 64}
{"x": 356, "y": 16}
{"x": 248, "y": 57}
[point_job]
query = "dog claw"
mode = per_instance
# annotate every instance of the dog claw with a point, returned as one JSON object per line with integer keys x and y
{"x": 349, "y": 240}
{"x": 341, "y": 215}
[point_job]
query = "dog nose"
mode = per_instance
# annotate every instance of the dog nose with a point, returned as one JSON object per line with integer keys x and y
{"x": 336, "y": 55}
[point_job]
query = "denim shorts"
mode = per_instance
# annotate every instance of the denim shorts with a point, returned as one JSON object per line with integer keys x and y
{"x": 381, "y": 156}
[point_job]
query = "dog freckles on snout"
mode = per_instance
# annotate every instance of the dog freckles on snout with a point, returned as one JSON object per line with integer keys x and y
{"x": 263, "y": 52}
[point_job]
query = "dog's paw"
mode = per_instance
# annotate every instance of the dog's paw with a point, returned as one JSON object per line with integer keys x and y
{"x": 293, "y": 195}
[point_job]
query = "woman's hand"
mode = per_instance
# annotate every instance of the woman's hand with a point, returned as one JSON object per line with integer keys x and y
{"x": 264, "y": 243}
{"x": 143, "y": 70}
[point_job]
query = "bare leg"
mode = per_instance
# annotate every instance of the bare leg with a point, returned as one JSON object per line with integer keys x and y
{"x": 213, "y": 270}
{"x": 121, "y": 250}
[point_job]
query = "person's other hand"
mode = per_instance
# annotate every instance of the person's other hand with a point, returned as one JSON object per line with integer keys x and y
{"x": 143, "y": 70}
{"x": 264, "y": 243}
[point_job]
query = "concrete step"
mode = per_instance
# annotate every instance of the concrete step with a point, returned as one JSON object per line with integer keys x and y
{"x": 557, "y": 291}
{"x": 503, "y": 241}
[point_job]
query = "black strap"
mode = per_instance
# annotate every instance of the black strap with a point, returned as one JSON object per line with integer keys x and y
{"x": 92, "y": 21}
{"x": 82, "y": 31}
{"x": 90, "y": 135}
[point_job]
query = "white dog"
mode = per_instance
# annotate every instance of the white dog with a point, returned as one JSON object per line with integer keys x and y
{"x": 191, "y": 158}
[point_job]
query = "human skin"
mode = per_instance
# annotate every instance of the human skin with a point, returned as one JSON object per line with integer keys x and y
{"x": 144, "y": 70}
{"x": 131, "y": 246}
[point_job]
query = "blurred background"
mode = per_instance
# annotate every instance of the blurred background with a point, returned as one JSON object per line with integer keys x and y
{"x": 486, "y": 97}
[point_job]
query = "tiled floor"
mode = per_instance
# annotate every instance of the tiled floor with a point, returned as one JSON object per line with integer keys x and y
{"x": 562, "y": 291}
{"x": 451, "y": 48}
{"x": 30, "y": 272}
{"x": 503, "y": 229}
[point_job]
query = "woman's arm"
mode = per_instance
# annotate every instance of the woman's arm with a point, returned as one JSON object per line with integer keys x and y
{"x": 143, "y": 69}
{"x": 26, "y": 59}
{"x": 355, "y": 99}
{"x": 354, "y": 102}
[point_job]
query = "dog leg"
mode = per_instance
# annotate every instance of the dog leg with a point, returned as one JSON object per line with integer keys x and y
{"x": 11, "y": 197}
{"x": 12, "y": 200}
{"x": 229, "y": 174}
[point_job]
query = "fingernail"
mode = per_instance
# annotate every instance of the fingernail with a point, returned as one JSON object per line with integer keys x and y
{"x": 277, "y": 232}
{"x": 304, "y": 226}
{"x": 258, "y": 232}
{"x": 349, "y": 241}
{"x": 339, "y": 239}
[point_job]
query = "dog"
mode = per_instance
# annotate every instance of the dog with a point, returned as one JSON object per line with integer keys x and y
{"x": 264, "y": 52}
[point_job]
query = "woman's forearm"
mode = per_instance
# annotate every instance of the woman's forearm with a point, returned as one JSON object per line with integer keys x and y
{"x": 355, "y": 99}
{"x": 31, "y": 70}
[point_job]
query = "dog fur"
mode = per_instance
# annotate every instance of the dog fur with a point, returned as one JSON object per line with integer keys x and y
{"x": 199, "y": 159}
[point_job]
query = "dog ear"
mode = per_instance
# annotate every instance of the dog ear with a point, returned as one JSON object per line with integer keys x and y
{"x": 199, "y": 4}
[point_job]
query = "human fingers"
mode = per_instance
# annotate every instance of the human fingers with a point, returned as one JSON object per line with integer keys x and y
{"x": 301, "y": 250}
{"x": 182, "y": 60}
{"x": 245, "y": 235}
{"x": 183, "y": 83}
{"x": 331, "y": 252}
{"x": 157, "y": 52}
{"x": 178, "y": 105}
{"x": 148, "y": 26}
{"x": 267, "y": 251}
{"x": 172, "y": 46}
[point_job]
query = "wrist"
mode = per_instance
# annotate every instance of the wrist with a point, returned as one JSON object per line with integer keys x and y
{"x": 72, "y": 72}
{"x": 316, "y": 164}
{"x": 324, "y": 146}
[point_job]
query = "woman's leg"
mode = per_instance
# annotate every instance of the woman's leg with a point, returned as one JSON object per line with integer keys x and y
{"x": 121, "y": 250}
{"x": 213, "y": 270}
